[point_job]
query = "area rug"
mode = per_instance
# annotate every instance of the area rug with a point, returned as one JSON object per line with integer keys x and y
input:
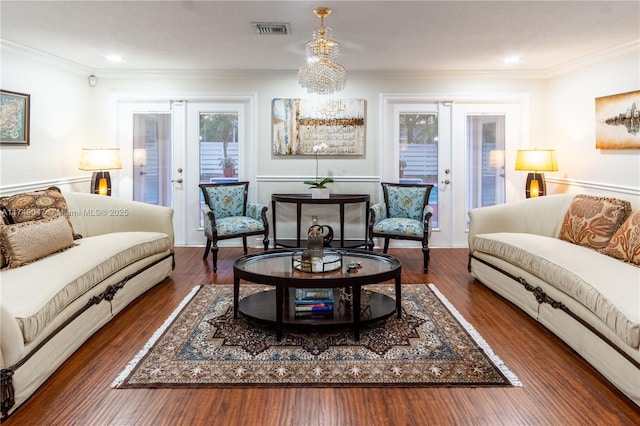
{"x": 202, "y": 345}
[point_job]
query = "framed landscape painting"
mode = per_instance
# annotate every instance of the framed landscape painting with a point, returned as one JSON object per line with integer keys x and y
{"x": 14, "y": 118}
{"x": 299, "y": 125}
{"x": 618, "y": 121}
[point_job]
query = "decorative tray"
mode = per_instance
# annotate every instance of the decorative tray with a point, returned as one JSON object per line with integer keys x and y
{"x": 330, "y": 261}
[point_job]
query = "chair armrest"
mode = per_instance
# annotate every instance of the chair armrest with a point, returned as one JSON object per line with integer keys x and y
{"x": 257, "y": 211}
{"x": 377, "y": 212}
{"x": 209, "y": 221}
{"x": 427, "y": 214}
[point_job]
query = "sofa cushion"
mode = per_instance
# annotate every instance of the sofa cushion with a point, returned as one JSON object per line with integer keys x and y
{"x": 604, "y": 285}
{"x": 625, "y": 243}
{"x": 25, "y": 242}
{"x": 591, "y": 221}
{"x": 59, "y": 279}
{"x": 29, "y": 206}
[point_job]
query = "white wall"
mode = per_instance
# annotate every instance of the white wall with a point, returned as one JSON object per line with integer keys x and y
{"x": 61, "y": 122}
{"x": 570, "y": 129}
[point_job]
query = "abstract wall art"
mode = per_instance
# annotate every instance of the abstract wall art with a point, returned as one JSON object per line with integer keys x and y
{"x": 300, "y": 124}
{"x": 618, "y": 121}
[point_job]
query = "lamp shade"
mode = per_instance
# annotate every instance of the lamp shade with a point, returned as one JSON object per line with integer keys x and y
{"x": 537, "y": 160}
{"x": 94, "y": 159}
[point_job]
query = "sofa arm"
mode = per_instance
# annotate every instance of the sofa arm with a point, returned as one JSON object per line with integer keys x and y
{"x": 93, "y": 214}
{"x": 11, "y": 340}
{"x": 542, "y": 216}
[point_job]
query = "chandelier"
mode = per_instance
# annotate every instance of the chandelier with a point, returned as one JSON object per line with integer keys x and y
{"x": 321, "y": 74}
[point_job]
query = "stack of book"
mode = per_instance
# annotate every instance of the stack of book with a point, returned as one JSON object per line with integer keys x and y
{"x": 313, "y": 302}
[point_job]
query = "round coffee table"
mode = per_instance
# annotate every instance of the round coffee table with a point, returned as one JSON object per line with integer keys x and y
{"x": 276, "y": 268}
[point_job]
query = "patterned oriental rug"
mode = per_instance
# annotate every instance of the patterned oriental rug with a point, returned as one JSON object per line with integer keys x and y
{"x": 201, "y": 345}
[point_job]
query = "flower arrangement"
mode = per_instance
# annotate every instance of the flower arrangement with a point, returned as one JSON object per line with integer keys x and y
{"x": 318, "y": 183}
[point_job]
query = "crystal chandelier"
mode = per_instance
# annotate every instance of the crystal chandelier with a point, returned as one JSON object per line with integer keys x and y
{"x": 321, "y": 74}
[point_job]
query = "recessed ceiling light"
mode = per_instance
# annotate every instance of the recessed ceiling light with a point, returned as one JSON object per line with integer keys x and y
{"x": 511, "y": 60}
{"x": 114, "y": 58}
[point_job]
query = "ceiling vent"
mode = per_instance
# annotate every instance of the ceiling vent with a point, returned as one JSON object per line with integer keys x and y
{"x": 271, "y": 28}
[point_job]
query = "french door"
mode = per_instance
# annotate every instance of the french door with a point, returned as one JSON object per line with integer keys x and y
{"x": 176, "y": 145}
{"x": 460, "y": 147}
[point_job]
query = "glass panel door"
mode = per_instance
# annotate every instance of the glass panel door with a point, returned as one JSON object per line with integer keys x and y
{"x": 216, "y": 131}
{"x": 152, "y": 158}
{"x": 481, "y": 131}
{"x": 421, "y": 153}
{"x": 486, "y": 145}
{"x": 418, "y": 152}
{"x": 218, "y": 147}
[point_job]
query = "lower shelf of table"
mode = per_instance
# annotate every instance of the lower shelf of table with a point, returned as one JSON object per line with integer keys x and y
{"x": 262, "y": 307}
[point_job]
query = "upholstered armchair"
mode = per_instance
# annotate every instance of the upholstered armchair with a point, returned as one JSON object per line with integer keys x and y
{"x": 404, "y": 215}
{"x": 228, "y": 214}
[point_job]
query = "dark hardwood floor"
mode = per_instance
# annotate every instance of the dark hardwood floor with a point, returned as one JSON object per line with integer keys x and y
{"x": 559, "y": 387}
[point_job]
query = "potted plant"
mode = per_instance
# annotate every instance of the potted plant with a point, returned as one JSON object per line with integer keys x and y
{"x": 318, "y": 187}
{"x": 228, "y": 165}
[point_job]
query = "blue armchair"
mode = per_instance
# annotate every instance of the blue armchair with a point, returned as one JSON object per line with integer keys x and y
{"x": 228, "y": 214}
{"x": 404, "y": 215}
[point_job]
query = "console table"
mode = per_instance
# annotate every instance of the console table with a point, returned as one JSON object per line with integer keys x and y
{"x": 300, "y": 199}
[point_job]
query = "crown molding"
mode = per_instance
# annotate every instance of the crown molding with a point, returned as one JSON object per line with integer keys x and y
{"x": 541, "y": 74}
{"x": 595, "y": 58}
{"x": 45, "y": 58}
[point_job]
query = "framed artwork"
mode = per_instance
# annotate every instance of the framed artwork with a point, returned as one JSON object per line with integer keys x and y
{"x": 618, "y": 121}
{"x": 14, "y": 118}
{"x": 299, "y": 125}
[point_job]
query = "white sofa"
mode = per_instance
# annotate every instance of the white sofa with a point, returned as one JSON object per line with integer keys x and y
{"x": 51, "y": 306}
{"x": 587, "y": 298}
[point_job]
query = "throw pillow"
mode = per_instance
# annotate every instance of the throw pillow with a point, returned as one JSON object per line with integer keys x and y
{"x": 26, "y": 242}
{"x": 36, "y": 205}
{"x": 591, "y": 221}
{"x": 625, "y": 243}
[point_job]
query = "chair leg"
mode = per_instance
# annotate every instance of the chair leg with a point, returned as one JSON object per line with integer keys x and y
{"x": 425, "y": 253}
{"x": 207, "y": 248}
{"x": 244, "y": 244}
{"x": 386, "y": 245}
{"x": 370, "y": 244}
{"x": 265, "y": 242}
{"x": 214, "y": 255}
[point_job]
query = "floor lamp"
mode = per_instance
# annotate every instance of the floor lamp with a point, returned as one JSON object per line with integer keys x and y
{"x": 100, "y": 161}
{"x": 536, "y": 161}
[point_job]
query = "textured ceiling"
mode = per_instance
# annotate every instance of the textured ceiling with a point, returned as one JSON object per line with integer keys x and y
{"x": 413, "y": 36}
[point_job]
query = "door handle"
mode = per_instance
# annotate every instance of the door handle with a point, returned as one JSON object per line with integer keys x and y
{"x": 179, "y": 180}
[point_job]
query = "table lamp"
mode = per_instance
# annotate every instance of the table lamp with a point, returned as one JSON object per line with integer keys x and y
{"x": 536, "y": 161}
{"x": 99, "y": 161}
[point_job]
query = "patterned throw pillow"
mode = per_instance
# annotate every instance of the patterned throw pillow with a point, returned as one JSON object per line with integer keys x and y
{"x": 591, "y": 221}
{"x": 26, "y": 242}
{"x": 36, "y": 205}
{"x": 625, "y": 243}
